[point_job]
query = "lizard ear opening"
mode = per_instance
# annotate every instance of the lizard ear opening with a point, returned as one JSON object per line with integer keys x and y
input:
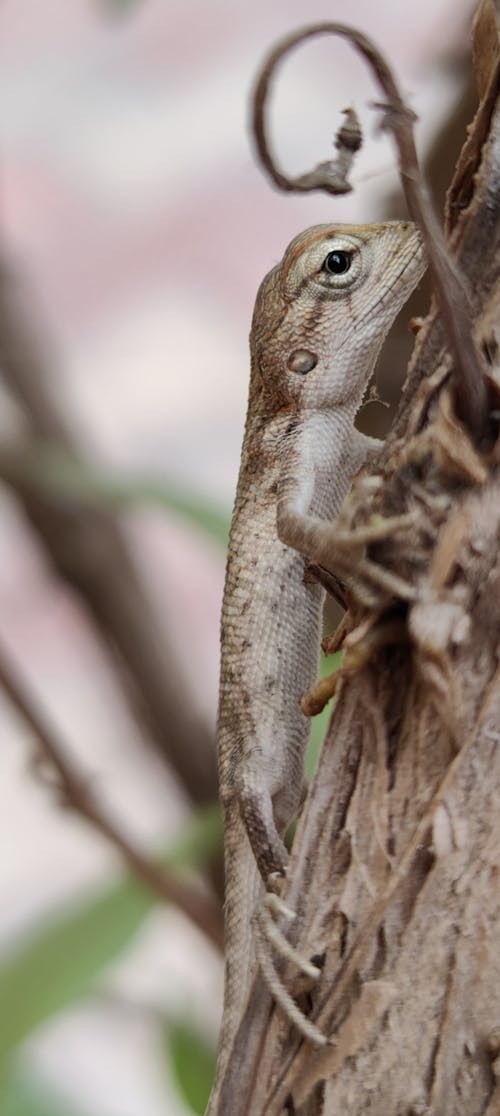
{"x": 301, "y": 361}
{"x": 342, "y": 262}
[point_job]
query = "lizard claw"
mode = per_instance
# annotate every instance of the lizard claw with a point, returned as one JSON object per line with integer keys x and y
{"x": 269, "y": 937}
{"x": 274, "y": 883}
{"x": 277, "y": 906}
{"x": 270, "y": 934}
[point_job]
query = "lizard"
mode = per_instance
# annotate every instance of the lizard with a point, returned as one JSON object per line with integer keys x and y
{"x": 319, "y": 321}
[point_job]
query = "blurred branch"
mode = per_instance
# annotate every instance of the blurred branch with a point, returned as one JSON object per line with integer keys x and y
{"x": 89, "y": 551}
{"x": 117, "y": 8}
{"x": 74, "y": 792}
{"x": 48, "y": 471}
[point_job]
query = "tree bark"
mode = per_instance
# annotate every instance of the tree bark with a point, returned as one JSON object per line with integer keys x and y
{"x": 395, "y": 868}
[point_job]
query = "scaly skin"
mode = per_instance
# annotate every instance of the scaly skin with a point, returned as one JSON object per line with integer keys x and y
{"x": 300, "y": 452}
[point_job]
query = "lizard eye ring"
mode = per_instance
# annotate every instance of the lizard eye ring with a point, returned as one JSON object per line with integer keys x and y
{"x": 342, "y": 262}
{"x": 337, "y": 262}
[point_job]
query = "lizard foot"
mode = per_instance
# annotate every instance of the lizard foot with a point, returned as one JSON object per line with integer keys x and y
{"x": 269, "y": 938}
{"x": 379, "y": 528}
{"x": 386, "y": 580}
{"x": 274, "y": 907}
{"x": 360, "y": 646}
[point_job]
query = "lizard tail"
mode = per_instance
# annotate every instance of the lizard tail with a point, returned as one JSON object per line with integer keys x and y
{"x": 242, "y": 887}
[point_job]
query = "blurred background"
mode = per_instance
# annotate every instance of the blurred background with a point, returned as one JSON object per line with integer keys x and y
{"x": 135, "y": 228}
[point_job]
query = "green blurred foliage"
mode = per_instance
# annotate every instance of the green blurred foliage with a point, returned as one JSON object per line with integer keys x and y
{"x": 58, "y": 966}
{"x": 329, "y": 663}
{"x": 117, "y": 7}
{"x": 60, "y": 963}
{"x": 22, "y": 1094}
{"x": 191, "y": 1062}
{"x": 58, "y": 474}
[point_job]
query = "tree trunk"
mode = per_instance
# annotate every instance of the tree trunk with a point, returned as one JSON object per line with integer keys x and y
{"x": 395, "y": 867}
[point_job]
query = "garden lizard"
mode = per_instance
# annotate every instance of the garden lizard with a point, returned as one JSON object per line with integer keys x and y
{"x": 320, "y": 319}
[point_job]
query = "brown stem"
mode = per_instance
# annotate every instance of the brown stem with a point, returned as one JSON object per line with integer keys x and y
{"x": 469, "y": 381}
{"x": 75, "y": 793}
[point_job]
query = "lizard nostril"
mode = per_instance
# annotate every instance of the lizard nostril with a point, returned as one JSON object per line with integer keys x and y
{"x": 302, "y": 361}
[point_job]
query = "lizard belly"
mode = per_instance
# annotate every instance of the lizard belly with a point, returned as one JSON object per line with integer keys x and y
{"x": 273, "y": 619}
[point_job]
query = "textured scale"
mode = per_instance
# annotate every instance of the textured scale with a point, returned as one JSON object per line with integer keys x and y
{"x": 300, "y": 451}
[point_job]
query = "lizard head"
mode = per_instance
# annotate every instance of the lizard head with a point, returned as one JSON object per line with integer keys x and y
{"x": 322, "y": 314}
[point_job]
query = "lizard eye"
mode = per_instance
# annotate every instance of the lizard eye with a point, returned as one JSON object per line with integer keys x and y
{"x": 337, "y": 262}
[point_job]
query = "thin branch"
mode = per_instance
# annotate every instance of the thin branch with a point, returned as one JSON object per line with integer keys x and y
{"x": 469, "y": 381}
{"x": 48, "y": 470}
{"x": 75, "y": 793}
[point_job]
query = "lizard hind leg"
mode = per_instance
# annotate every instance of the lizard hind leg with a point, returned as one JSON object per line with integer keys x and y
{"x": 269, "y": 938}
{"x": 269, "y": 849}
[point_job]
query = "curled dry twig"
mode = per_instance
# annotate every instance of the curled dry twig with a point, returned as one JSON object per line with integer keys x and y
{"x": 330, "y": 176}
{"x": 76, "y": 794}
{"x": 468, "y": 378}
